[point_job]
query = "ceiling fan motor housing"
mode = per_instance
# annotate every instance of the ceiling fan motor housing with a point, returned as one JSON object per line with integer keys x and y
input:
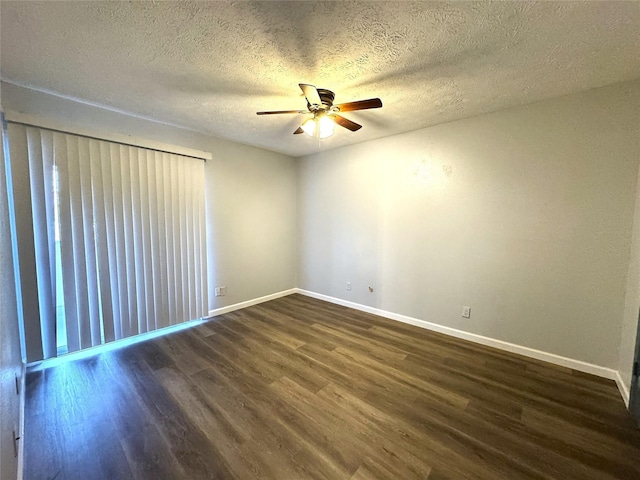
{"x": 326, "y": 97}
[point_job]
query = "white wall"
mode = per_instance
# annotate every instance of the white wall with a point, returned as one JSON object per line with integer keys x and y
{"x": 251, "y": 195}
{"x": 10, "y": 356}
{"x": 632, "y": 298}
{"x": 525, "y": 215}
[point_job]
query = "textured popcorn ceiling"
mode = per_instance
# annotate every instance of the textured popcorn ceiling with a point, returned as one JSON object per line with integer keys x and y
{"x": 209, "y": 66}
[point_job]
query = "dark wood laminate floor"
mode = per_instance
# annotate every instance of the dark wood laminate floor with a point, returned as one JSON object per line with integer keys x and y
{"x": 297, "y": 388}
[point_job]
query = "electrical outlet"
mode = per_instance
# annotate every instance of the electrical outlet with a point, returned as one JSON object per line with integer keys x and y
{"x": 221, "y": 291}
{"x": 349, "y": 286}
{"x": 466, "y": 312}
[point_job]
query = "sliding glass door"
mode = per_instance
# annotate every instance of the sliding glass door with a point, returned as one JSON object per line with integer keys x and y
{"x": 112, "y": 239}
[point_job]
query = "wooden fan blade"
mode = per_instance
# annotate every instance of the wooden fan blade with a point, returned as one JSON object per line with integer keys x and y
{"x": 299, "y": 130}
{"x": 360, "y": 105}
{"x": 311, "y": 94}
{"x": 276, "y": 112}
{"x": 348, "y": 124}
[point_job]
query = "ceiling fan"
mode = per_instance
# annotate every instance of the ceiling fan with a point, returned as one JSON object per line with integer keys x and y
{"x": 325, "y": 113}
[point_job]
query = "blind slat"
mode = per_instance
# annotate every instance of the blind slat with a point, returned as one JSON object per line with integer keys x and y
{"x": 126, "y": 160}
{"x": 118, "y": 259}
{"x": 138, "y": 246}
{"x": 184, "y": 252}
{"x": 102, "y": 240}
{"x": 88, "y": 236}
{"x": 27, "y": 285}
{"x": 40, "y": 169}
{"x": 203, "y": 272}
{"x": 145, "y": 226}
{"x": 66, "y": 243}
{"x": 176, "y": 280}
{"x": 80, "y": 257}
{"x": 160, "y": 246}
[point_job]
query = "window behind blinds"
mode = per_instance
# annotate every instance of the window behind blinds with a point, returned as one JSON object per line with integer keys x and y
{"x": 115, "y": 235}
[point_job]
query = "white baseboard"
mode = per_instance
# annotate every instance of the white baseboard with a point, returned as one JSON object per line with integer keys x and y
{"x": 115, "y": 345}
{"x": 622, "y": 387}
{"x": 472, "y": 337}
{"x": 249, "y": 303}
{"x": 23, "y": 385}
{"x": 89, "y": 352}
{"x": 490, "y": 342}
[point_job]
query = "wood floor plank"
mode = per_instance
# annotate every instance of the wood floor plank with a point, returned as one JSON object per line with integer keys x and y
{"x": 297, "y": 388}
{"x": 278, "y": 354}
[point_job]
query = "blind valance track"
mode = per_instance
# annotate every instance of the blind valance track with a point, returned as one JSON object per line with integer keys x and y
{"x": 202, "y": 157}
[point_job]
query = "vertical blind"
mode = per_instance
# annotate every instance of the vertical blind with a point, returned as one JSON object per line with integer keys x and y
{"x": 129, "y": 226}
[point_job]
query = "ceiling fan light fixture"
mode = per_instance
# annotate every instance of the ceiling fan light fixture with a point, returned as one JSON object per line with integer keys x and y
{"x": 323, "y": 123}
{"x": 309, "y": 127}
{"x": 326, "y": 125}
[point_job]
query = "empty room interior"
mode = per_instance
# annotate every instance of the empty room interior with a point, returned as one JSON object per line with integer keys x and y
{"x": 319, "y": 240}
